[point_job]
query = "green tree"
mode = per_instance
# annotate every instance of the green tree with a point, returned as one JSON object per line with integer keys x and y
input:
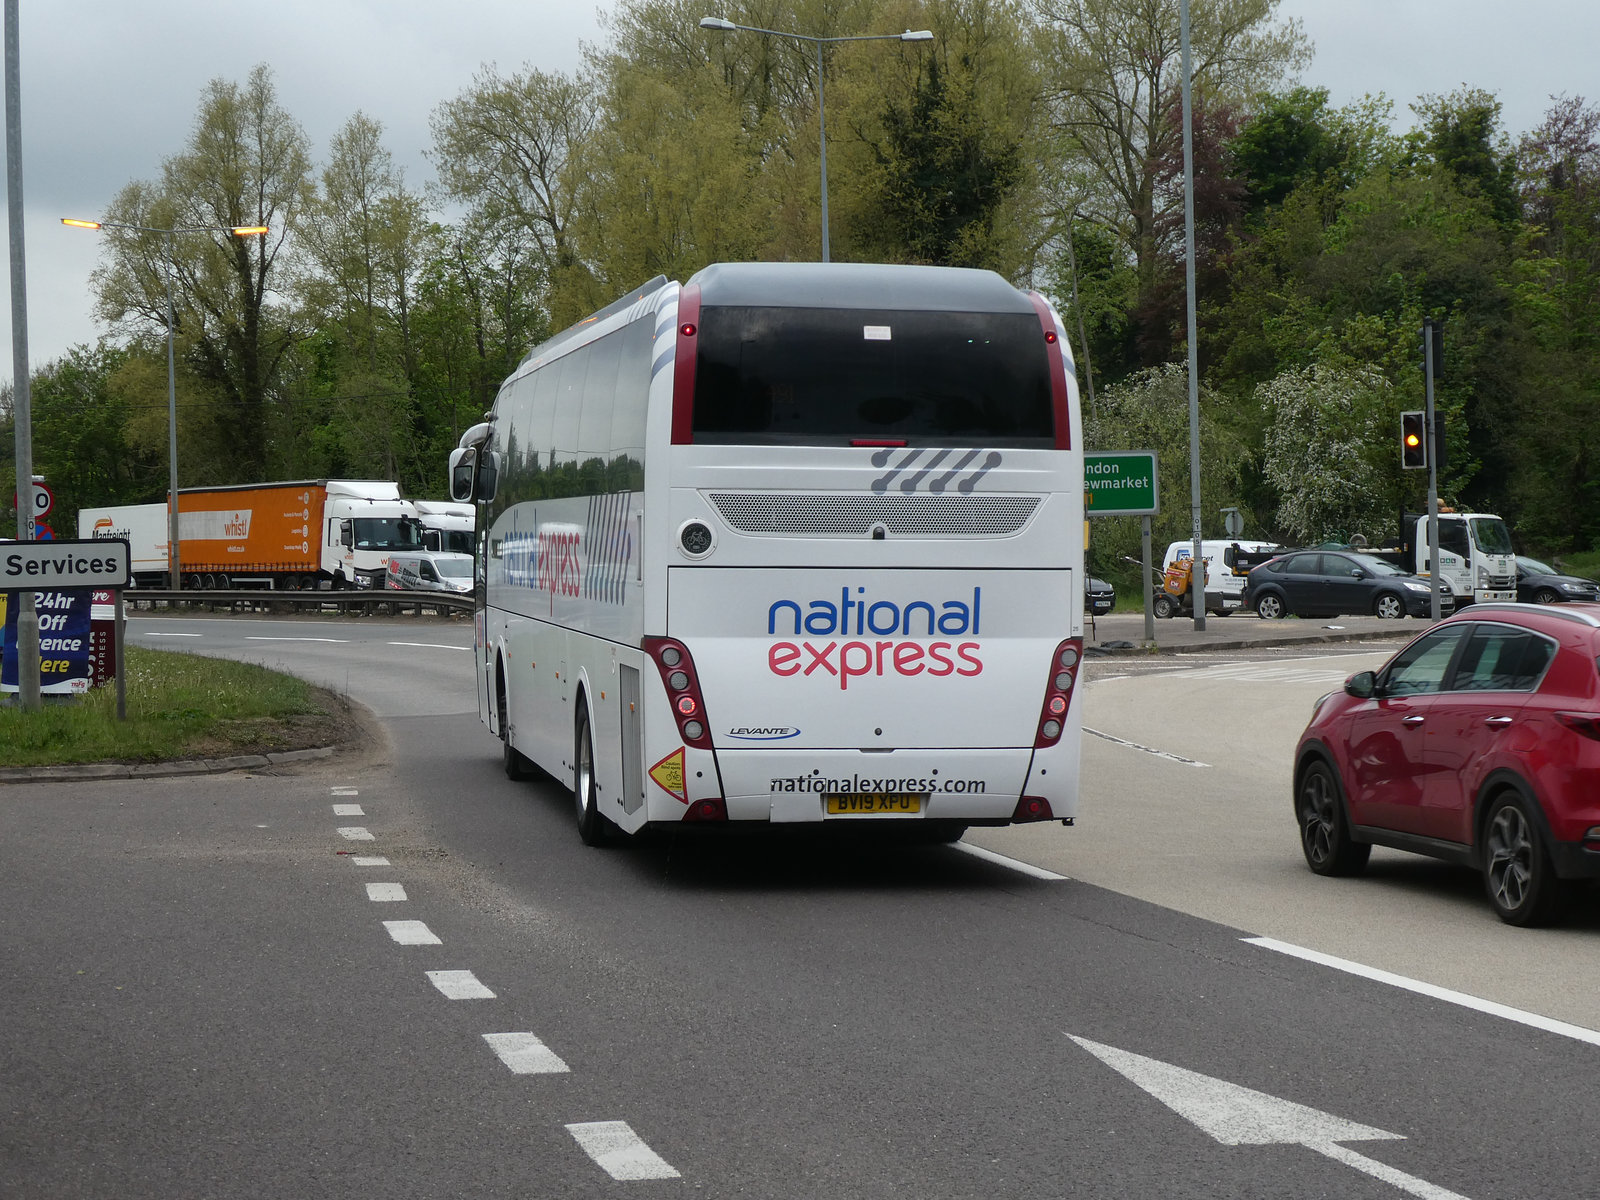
{"x": 1116, "y": 73}
{"x": 246, "y": 164}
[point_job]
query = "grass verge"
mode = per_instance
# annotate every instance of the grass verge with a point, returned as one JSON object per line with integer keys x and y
{"x": 180, "y": 706}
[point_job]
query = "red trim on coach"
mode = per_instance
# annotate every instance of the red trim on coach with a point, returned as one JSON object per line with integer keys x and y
{"x": 683, "y": 365}
{"x": 1058, "y": 371}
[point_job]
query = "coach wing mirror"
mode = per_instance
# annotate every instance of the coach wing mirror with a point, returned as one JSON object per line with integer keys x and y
{"x": 488, "y": 475}
{"x": 1363, "y": 685}
{"x": 461, "y": 464}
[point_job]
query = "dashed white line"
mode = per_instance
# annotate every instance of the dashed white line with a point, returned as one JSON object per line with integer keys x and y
{"x": 1476, "y": 1003}
{"x": 412, "y": 933}
{"x": 344, "y": 791}
{"x": 525, "y": 1054}
{"x": 381, "y": 892}
{"x": 254, "y": 637}
{"x": 372, "y": 860}
{"x": 356, "y": 833}
{"x": 1002, "y": 860}
{"x": 459, "y": 985}
{"x": 429, "y": 646}
{"x": 348, "y": 810}
{"x": 151, "y": 633}
{"x": 619, "y": 1151}
{"x": 1177, "y": 758}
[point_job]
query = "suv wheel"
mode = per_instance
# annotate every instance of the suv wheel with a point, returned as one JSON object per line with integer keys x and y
{"x": 1517, "y": 871}
{"x": 1324, "y": 832}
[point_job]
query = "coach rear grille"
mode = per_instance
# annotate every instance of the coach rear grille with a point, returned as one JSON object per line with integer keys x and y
{"x": 845, "y": 516}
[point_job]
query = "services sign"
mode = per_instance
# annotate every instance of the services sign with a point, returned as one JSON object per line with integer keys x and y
{"x": 1120, "y": 483}
{"x": 38, "y": 566}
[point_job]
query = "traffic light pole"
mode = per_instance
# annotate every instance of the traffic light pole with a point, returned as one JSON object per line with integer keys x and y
{"x": 1428, "y": 365}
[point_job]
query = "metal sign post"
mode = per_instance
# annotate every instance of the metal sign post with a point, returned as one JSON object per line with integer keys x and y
{"x": 1431, "y": 341}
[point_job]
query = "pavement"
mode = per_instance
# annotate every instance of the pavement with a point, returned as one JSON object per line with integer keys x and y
{"x": 1124, "y": 633}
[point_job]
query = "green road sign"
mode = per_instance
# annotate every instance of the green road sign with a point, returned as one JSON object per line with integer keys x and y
{"x": 1120, "y": 483}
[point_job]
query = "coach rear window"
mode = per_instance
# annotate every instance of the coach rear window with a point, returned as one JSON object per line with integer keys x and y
{"x": 826, "y": 376}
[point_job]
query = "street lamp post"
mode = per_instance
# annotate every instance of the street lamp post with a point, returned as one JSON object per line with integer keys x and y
{"x": 174, "y": 572}
{"x": 910, "y": 35}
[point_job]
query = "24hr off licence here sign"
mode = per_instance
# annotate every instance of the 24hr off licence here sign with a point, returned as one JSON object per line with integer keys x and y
{"x": 1120, "y": 483}
{"x": 40, "y": 566}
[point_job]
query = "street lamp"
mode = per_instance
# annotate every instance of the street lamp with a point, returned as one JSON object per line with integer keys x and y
{"x": 910, "y": 35}
{"x": 174, "y": 574}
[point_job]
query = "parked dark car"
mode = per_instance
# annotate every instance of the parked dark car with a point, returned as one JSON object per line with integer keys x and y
{"x": 1099, "y": 597}
{"x": 1478, "y": 743}
{"x": 1331, "y": 583}
{"x": 1540, "y": 583}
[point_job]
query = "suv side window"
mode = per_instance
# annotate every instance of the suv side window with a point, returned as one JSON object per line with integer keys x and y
{"x": 1501, "y": 658}
{"x": 1421, "y": 666}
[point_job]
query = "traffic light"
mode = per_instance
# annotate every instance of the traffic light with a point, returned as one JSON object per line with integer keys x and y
{"x": 1413, "y": 441}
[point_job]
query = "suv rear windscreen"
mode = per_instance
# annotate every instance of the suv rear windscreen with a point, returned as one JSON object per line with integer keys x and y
{"x": 825, "y": 376}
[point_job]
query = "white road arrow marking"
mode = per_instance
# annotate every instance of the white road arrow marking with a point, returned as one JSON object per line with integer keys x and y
{"x": 1239, "y": 1116}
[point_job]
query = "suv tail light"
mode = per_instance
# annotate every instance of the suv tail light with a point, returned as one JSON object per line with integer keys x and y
{"x": 1058, "y": 694}
{"x": 683, "y": 689}
{"x": 1587, "y": 724}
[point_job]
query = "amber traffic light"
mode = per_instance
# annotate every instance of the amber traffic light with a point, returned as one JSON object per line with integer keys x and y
{"x": 1413, "y": 441}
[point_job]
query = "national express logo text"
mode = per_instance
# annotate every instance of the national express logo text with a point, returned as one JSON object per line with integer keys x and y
{"x": 855, "y": 617}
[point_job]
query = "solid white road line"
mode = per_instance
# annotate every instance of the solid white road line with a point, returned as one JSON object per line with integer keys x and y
{"x": 1003, "y": 861}
{"x": 385, "y": 891}
{"x": 374, "y": 860}
{"x": 356, "y": 833}
{"x": 459, "y": 985}
{"x": 620, "y": 1151}
{"x": 348, "y": 810}
{"x": 525, "y": 1054}
{"x": 1493, "y": 1009}
{"x": 412, "y": 933}
{"x": 1177, "y": 758}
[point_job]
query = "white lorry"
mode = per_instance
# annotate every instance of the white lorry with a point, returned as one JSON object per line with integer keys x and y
{"x": 145, "y": 527}
{"x": 446, "y": 526}
{"x": 1475, "y": 554}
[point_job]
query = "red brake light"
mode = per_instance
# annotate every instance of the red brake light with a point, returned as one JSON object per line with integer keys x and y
{"x": 1587, "y": 724}
{"x": 678, "y": 676}
{"x": 1033, "y": 808}
{"x": 711, "y": 809}
{"x": 1057, "y": 696}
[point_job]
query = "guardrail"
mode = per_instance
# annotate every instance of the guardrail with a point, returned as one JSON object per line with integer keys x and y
{"x": 344, "y": 603}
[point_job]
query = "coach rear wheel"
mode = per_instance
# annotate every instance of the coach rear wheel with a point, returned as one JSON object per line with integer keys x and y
{"x": 593, "y": 828}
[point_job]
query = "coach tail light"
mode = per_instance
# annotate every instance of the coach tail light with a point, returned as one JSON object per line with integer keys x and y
{"x": 1058, "y": 696}
{"x": 683, "y": 689}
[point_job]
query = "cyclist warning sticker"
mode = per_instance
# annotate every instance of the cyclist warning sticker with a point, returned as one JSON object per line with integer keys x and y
{"x": 668, "y": 773}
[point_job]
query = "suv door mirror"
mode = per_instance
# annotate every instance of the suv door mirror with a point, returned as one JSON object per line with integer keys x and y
{"x": 1363, "y": 685}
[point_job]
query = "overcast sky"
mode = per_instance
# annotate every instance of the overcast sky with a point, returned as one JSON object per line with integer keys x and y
{"x": 110, "y": 89}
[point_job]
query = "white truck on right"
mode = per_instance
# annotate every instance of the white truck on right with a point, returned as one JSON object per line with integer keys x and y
{"x": 1475, "y": 554}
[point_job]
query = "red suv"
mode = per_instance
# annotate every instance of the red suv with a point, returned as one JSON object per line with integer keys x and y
{"x": 1478, "y": 743}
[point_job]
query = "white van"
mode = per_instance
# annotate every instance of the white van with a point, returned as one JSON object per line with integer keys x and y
{"x": 1224, "y": 587}
{"x": 429, "y": 572}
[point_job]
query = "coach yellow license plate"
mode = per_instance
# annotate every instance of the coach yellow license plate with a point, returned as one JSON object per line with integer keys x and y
{"x": 874, "y": 803}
